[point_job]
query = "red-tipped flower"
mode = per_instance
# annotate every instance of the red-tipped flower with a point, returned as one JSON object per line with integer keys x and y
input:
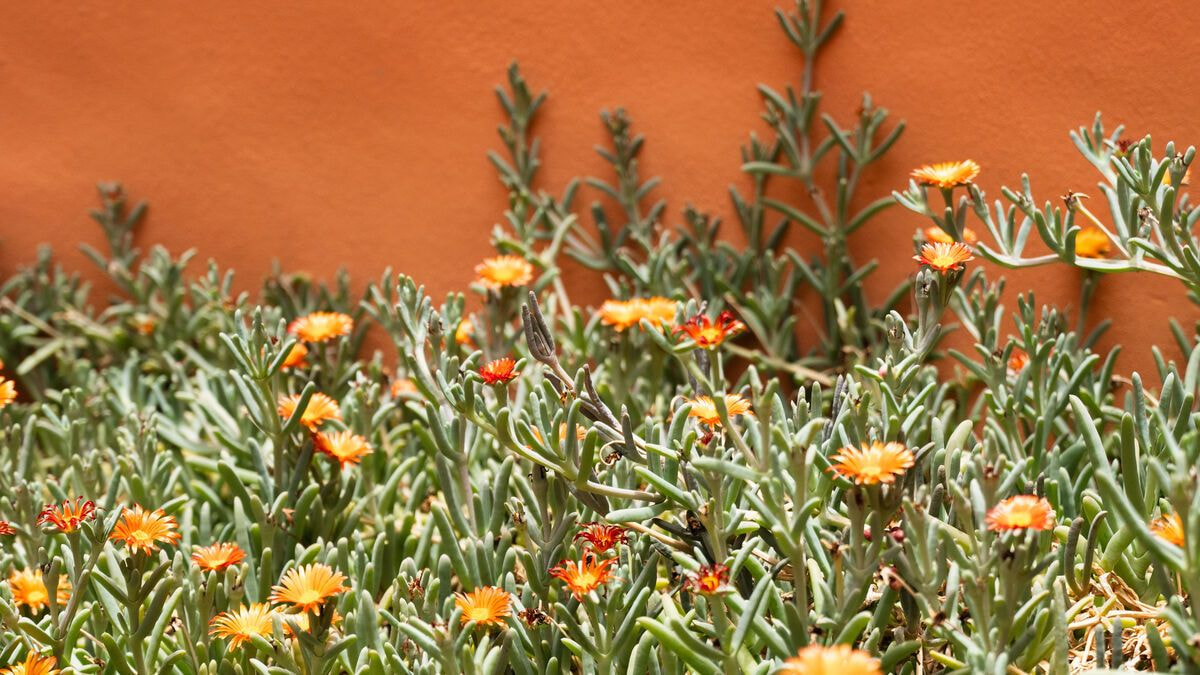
{"x": 500, "y": 371}
{"x": 601, "y": 537}
{"x": 708, "y": 333}
{"x": 710, "y": 579}
{"x": 586, "y": 575}
{"x": 67, "y": 517}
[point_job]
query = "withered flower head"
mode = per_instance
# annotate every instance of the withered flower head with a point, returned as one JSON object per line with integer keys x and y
{"x": 534, "y": 617}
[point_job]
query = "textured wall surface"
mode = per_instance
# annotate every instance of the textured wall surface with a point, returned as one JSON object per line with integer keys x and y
{"x": 320, "y": 136}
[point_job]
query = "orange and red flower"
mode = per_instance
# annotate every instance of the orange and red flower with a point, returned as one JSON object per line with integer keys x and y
{"x": 143, "y": 530}
{"x": 947, "y": 175}
{"x": 710, "y": 579}
{"x": 505, "y": 270}
{"x": 1022, "y": 512}
{"x": 584, "y": 576}
{"x": 321, "y": 326}
{"x": 6, "y": 528}
{"x": 873, "y": 464}
{"x": 67, "y": 517}
{"x": 345, "y": 447}
{"x": 486, "y": 605}
{"x": 500, "y": 371}
{"x": 218, "y": 557}
{"x": 708, "y": 333}
{"x": 601, "y": 537}
{"x": 945, "y": 257}
{"x": 1017, "y": 360}
{"x": 306, "y": 588}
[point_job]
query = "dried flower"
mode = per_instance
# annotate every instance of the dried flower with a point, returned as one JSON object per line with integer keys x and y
{"x": 1169, "y": 528}
{"x": 486, "y": 605}
{"x": 947, "y": 174}
{"x": 505, "y": 270}
{"x": 241, "y": 625}
{"x": 835, "y": 660}
{"x": 704, "y": 409}
{"x": 295, "y": 357}
{"x": 67, "y": 517}
{"x": 710, "y": 579}
{"x": 873, "y": 464}
{"x": 709, "y": 334}
{"x": 320, "y": 408}
{"x": 500, "y": 371}
{"x": 601, "y": 537}
{"x": 34, "y": 664}
{"x": 343, "y": 446}
{"x": 8, "y": 391}
{"x": 143, "y": 530}
{"x": 586, "y": 575}
{"x": 307, "y": 587}
{"x": 1022, "y": 512}
{"x": 945, "y": 257}
{"x": 217, "y": 557}
{"x": 1092, "y": 242}
{"x": 623, "y": 314}
{"x": 29, "y": 590}
{"x": 936, "y": 235}
{"x": 321, "y": 326}
{"x": 534, "y": 617}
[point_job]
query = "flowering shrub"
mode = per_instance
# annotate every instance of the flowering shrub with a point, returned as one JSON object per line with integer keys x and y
{"x": 683, "y": 479}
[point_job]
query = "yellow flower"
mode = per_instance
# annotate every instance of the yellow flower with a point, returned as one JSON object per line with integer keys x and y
{"x": 936, "y": 235}
{"x": 947, "y": 174}
{"x": 835, "y": 660}
{"x": 873, "y": 464}
{"x": 142, "y": 530}
{"x": 320, "y": 409}
{"x": 217, "y": 557}
{"x": 307, "y": 587}
{"x": 243, "y": 624}
{"x": 486, "y": 605}
{"x": 944, "y": 257}
{"x": 1091, "y": 242}
{"x": 584, "y": 576}
{"x": 35, "y": 664}
{"x": 8, "y": 391}
{"x": 321, "y": 326}
{"x": 704, "y": 409}
{"x": 343, "y": 446}
{"x": 622, "y": 314}
{"x": 1022, "y": 512}
{"x": 505, "y": 270}
{"x": 29, "y": 590}
{"x": 1169, "y": 528}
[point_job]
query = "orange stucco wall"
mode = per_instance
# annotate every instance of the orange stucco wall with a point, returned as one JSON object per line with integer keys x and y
{"x": 330, "y": 133}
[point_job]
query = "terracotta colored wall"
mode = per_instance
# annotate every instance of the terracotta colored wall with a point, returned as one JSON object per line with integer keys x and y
{"x": 320, "y": 135}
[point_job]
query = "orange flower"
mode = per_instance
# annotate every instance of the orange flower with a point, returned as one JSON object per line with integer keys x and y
{"x": 1017, "y": 360}
{"x": 144, "y": 324}
{"x": 29, "y": 590}
{"x": 1092, "y": 242}
{"x": 301, "y": 621}
{"x": 217, "y": 557}
{"x": 710, "y": 579}
{"x": 402, "y": 386}
{"x": 947, "y": 175}
{"x": 937, "y": 235}
{"x": 1169, "y": 528}
{"x": 242, "y": 625}
{"x": 142, "y": 530}
{"x": 67, "y": 517}
{"x": 706, "y": 333}
{"x": 622, "y": 314}
{"x": 321, "y": 326}
{"x": 873, "y": 464}
{"x": 307, "y": 587}
{"x": 320, "y": 409}
{"x": 835, "y": 660}
{"x": 1187, "y": 177}
{"x": 704, "y": 409}
{"x": 462, "y": 334}
{"x": 6, "y": 528}
{"x": 8, "y": 391}
{"x": 486, "y": 605}
{"x": 584, "y": 576}
{"x": 295, "y": 356}
{"x": 601, "y": 537}
{"x": 1022, "y": 512}
{"x": 345, "y": 447}
{"x": 944, "y": 257}
{"x": 35, "y": 664}
{"x": 500, "y": 371}
{"x": 505, "y": 270}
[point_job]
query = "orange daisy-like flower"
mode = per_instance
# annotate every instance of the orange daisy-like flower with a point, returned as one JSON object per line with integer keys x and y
{"x": 321, "y": 326}
{"x": 710, "y": 579}
{"x": 505, "y": 270}
{"x": 486, "y": 605}
{"x": 1022, "y": 512}
{"x": 67, "y": 517}
{"x": 947, "y": 174}
{"x": 321, "y": 408}
{"x": 345, "y": 447}
{"x": 307, "y": 587}
{"x": 600, "y": 536}
{"x": 143, "y": 530}
{"x": 945, "y": 257}
{"x": 34, "y": 664}
{"x": 584, "y": 576}
{"x": 500, "y": 371}
{"x": 1092, "y": 242}
{"x": 709, "y": 334}
{"x": 936, "y": 235}
{"x": 217, "y": 557}
{"x": 462, "y": 334}
{"x": 873, "y": 464}
{"x": 242, "y": 625}
{"x": 1017, "y": 360}
{"x": 295, "y": 356}
{"x": 8, "y": 391}
{"x": 144, "y": 324}
{"x": 704, "y": 409}
{"x": 622, "y": 314}
{"x": 1169, "y": 528}
{"x": 29, "y": 590}
{"x": 6, "y": 528}
{"x": 402, "y": 386}
{"x": 835, "y": 660}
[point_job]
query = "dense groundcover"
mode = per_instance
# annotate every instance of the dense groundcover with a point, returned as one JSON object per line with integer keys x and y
{"x": 739, "y": 463}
